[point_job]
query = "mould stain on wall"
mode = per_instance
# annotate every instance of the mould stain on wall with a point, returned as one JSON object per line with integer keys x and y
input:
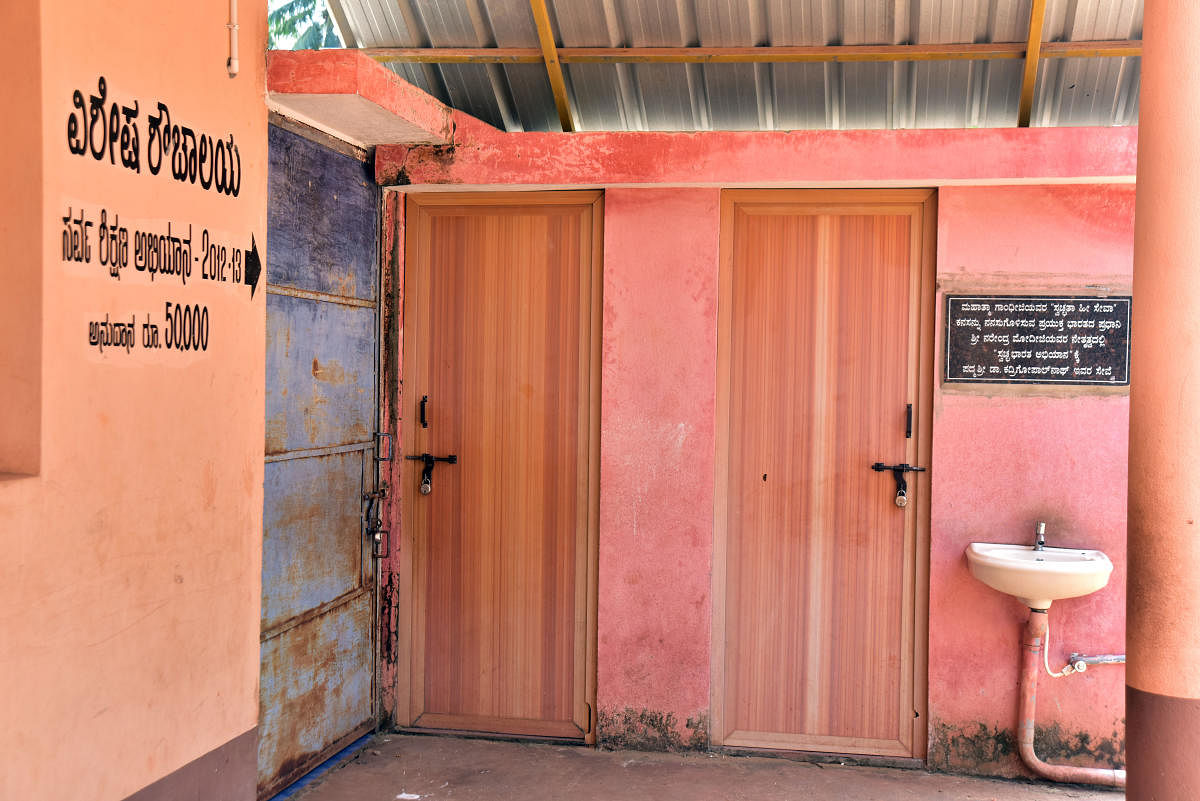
{"x": 439, "y": 158}
{"x": 387, "y": 648}
{"x": 650, "y": 730}
{"x": 978, "y": 748}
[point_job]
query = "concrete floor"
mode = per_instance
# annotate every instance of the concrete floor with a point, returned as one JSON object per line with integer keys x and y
{"x": 393, "y": 767}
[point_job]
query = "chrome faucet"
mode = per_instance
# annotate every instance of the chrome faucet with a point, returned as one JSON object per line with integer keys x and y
{"x": 1040, "y": 544}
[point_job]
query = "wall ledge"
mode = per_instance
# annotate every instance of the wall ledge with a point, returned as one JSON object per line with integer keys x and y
{"x": 819, "y": 159}
{"x": 351, "y": 96}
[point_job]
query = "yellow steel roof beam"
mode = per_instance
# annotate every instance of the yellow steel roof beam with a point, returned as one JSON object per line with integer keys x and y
{"x": 541, "y": 17}
{"x": 1033, "y": 52}
{"x": 1121, "y": 48}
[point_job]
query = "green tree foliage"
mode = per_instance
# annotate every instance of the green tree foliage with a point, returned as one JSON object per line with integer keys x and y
{"x": 300, "y": 25}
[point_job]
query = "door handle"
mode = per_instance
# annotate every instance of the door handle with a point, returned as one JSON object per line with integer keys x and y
{"x": 429, "y": 460}
{"x": 898, "y": 471}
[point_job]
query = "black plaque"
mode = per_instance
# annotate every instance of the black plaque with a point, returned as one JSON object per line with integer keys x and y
{"x": 1037, "y": 339}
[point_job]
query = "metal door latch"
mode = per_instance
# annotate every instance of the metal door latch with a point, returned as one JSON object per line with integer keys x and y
{"x": 378, "y": 494}
{"x": 375, "y": 530}
{"x": 898, "y": 471}
{"x": 380, "y": 436}
{"x": 427, "y": 473}
{"x": 379, "y": 543}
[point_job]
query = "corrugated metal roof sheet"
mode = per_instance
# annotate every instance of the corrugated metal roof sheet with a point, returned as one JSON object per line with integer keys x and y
{"x": 925, "y": 94}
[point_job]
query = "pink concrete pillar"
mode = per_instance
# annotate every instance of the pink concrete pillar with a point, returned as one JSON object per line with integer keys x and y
{"x": 1163, "y": 635}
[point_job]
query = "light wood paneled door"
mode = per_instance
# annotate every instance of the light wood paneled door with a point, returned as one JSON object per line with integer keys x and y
{"x": 820, "y": 581}
{"x": 501, "y": 372}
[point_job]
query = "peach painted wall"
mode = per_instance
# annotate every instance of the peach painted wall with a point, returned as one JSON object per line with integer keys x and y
{"x": 657, "y": 451}
{"x": 1006, "y": 458}
{"x": 20, "y": 233}
{"x": 129, "y": 588}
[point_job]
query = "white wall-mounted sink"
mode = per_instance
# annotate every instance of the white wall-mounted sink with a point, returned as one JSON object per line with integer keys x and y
{"x": 1038, "y": 577}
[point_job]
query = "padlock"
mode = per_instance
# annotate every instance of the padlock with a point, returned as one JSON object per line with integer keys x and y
{"x": 902, "y": 499}
{"x": 426, "y": 487}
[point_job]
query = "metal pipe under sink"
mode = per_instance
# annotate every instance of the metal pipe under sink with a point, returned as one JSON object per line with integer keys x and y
{"x": 1036, "y": 630}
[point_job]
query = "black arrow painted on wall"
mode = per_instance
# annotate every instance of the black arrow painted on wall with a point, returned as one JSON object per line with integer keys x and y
{"x": 253, "y": 267}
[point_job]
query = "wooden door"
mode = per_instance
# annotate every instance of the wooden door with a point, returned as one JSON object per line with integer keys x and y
{"x": 824, "y": 341}
{"x": 501, "y": 372}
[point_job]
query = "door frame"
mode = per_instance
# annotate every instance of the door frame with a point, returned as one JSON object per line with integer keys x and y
{"x": 921, "y": 336}
{"x": 409, "y": 605}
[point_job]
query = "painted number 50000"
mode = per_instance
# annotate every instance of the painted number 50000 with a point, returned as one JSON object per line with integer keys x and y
{"x": 186, "y": 326}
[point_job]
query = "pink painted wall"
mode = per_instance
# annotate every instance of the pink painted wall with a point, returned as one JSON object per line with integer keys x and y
{"x": 764, "y": 158}
{"x": 1006, "y": 458}
{"x": 392, "y": 236}
{"x": 1002, "y": 459}
{"x": 656, "y": 463}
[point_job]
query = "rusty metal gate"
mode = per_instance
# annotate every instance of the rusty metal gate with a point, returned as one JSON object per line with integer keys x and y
{"x": 317, "y": 686}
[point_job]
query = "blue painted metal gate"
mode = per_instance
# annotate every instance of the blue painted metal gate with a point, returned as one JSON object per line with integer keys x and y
{"x": 317, "y": 686}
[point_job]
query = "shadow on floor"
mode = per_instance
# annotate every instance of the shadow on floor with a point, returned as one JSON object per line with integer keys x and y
{"x": 408, "y": 768}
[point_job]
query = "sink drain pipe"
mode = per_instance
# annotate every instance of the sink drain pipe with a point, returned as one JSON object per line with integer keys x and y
{"x": 1031, "y": 663}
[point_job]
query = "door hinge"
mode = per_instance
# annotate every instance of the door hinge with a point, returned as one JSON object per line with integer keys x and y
{"x": 589, "y": 720}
